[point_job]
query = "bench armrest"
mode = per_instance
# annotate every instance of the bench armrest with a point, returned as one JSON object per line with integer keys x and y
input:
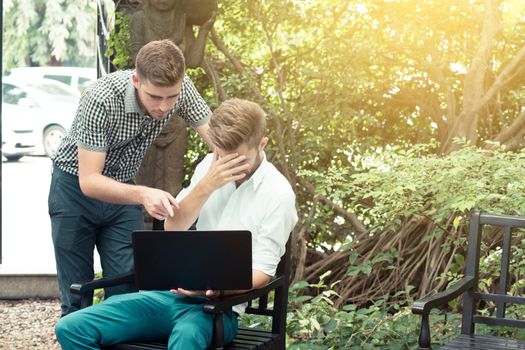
{"x": 216, "y": 307}
{"x": 105, "y": 282}
{"x": 423, "y": 306}
{"x": 85, "y": 290}
{"x": 222, "y": 304}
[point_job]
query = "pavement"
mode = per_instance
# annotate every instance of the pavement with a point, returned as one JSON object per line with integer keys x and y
{"x": 28, "y": 266}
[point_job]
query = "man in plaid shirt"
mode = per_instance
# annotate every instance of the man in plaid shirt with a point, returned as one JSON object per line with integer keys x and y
{"x": 92, "y": 199}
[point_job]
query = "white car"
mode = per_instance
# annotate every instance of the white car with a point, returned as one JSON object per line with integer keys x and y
{"x": 38, "y": 112}
{"x": 76, "y": 77}
{"x": 16, "y": 146}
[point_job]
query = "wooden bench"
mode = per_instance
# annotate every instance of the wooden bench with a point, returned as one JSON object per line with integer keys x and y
{"x": 468, "y": 287}
{"x": 246, "y": 339}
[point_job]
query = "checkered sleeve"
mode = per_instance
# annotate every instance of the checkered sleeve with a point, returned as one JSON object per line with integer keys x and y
{"x": 92, "y": 122}
{"x": 193, "y": 108}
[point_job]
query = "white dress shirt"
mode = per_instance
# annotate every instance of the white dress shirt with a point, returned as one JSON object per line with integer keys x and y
{"x": 264, "y": 204}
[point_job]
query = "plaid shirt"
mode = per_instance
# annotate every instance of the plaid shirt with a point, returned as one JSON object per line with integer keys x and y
{"x": 109, "y": 120}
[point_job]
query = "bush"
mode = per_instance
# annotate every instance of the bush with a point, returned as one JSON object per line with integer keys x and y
{"x": 314, "y": 323}
{"x": 412, "y": 201}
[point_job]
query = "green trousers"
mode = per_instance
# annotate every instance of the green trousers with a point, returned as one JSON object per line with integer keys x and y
{"x": 146, "y": 315}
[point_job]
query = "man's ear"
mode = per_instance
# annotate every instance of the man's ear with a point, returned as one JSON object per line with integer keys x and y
{"x": 263, "y": 143}
{"x": 135, "y": 79}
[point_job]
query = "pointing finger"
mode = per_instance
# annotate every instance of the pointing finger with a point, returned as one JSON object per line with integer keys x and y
{"x": 167, "y": 205}
{"x": 173, "y": 202}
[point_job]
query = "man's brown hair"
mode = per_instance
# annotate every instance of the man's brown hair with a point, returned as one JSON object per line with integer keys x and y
{"x": 161, "y": 63}
{"x": 237, "y": 122}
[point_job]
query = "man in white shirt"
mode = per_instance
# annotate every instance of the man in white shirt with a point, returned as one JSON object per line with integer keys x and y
{"x": 233, "y": 188}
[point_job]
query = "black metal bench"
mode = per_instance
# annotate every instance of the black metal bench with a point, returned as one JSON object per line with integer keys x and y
{"x": 246, "y": 339}
{"x": 468, "y": 287}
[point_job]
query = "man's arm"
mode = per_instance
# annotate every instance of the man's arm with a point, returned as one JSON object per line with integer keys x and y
{"x": 159, "y": 204}
{"x": 259, "y": 280}
{"x": 194, "y": 110}
{"x": 202, "y": 130}
{"x": 226, "y": 169}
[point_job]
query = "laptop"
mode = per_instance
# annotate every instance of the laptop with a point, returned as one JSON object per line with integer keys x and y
{"x": 192, "y": 260}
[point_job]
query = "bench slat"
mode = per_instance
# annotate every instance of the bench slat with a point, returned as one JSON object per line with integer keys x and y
{"x": 493, "y": 321}
{"x": 483, "y": 342}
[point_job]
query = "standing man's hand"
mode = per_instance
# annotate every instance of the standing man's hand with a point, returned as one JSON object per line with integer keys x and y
{"x": 158, "y": 203}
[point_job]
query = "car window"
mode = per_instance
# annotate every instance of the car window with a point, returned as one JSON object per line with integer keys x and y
{"x": 83, "y": 83}
{"x": 61, "y": 78}
{"x": 53, "y": 89}
{"x": 12, "y": 94}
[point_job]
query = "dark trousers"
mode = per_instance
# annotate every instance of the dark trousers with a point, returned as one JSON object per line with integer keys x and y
{"x": 78, "y": 224}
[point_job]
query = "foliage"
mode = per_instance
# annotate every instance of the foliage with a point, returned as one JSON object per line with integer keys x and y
{"x": 386, "y": 185}
{"x": 414, "y": 201}
{"x": 457, "y": 183}
{"x": 38, "y": 32}
{"x": 369, "y": 73}
{"x": 119, "y": 48}
{"x": 314, "y": 323}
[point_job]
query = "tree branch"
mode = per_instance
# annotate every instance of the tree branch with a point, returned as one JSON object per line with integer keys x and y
{"x": 237, "y": 64}
{"x": 514, "y": 129}
{"x": 350, "y": 217}
{"x": 513, "y": 68}
{"x": 466, "y": 124}
{"x": 214, "y": 77}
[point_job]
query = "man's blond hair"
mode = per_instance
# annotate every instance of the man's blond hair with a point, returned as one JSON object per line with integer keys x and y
{"x": 161, "y": 63}
{"x": 237, "y": 122}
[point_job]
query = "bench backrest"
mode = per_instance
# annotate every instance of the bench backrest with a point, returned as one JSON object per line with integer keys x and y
{"x": 472, "y": 297}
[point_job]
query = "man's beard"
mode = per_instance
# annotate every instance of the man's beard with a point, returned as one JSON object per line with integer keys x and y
{"x": 256, "y": 164}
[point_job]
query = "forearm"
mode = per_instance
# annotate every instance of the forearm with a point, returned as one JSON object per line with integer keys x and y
{"x": 111, "y": 191}
{"x": 259, "y": 280}
{"x": 189, "y": 208}
{"x": 202, "y": 130}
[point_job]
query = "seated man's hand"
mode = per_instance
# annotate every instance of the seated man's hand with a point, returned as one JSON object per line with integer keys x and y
{"x": 231, "y": 167}
{"x": 197, "y": 293}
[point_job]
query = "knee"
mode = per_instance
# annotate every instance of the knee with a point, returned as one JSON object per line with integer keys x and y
{"x": 64, "y": 330}
{"x": 188, "y": 335}
{"x": 70, "y": 331}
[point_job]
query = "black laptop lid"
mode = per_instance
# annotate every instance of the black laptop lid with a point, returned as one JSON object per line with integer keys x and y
{"x": 193, "y": 260}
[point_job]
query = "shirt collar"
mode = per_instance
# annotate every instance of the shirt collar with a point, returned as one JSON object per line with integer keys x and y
{"x": 131, "y": 105}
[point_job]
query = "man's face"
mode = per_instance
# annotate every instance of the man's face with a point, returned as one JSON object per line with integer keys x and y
{"x": 253, "y": 154}
{"x": 156, "y": 101}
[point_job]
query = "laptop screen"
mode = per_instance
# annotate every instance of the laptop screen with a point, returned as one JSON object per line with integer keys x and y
{"x": 193, "y": 260}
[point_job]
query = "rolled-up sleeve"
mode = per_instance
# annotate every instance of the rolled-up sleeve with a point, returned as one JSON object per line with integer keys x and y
{"x": 273, "y": 233}
{"x": 192, "y": 107}
{"x": 92, "y": 124}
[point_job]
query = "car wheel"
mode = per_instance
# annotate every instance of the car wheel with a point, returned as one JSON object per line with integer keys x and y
{"x": 52, "y": 137}
{"x": 13, "y": 158}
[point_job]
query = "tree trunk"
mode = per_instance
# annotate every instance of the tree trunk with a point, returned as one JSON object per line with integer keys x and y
{"x": 465, "y": 125}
